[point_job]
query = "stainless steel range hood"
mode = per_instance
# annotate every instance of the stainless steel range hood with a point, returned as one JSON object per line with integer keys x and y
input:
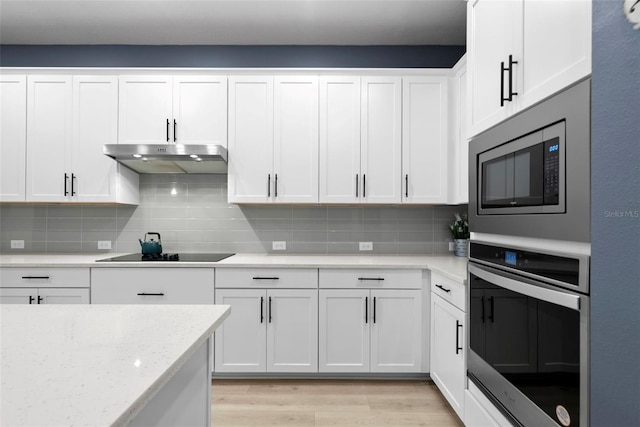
{"x": 170, "y": 158}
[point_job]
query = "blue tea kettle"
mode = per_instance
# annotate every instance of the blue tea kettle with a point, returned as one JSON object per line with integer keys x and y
{"x": 151, "y": 246}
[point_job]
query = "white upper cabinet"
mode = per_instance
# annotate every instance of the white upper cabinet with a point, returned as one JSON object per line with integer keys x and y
{"x": 340, "y": 139}
{"x": 69, "y": 119}
{"x": 458, "y": 142}
{"x": 295, "y": 149}
{"x": 521, "y": 52}
{"x": 424, "y": 139}
{"x": 273, "y": 139}
{"x": 13, "y": 137}
{"x": 381, "y": 132}
{"x": 250, "y": 139}
{"x": 160, "y": 109}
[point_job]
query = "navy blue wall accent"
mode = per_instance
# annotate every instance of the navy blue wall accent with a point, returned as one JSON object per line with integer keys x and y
{"x": 230, "y": 56}
{"x": 615, "y": 213}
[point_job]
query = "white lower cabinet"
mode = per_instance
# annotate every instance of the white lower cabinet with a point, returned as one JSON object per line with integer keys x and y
{"x": 44, "y": 296}
{"x": 448, "y": 342}
{"x": 269, "y": 330}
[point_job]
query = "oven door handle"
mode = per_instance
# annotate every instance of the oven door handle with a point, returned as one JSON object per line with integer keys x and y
{"x": 524, "y": 286}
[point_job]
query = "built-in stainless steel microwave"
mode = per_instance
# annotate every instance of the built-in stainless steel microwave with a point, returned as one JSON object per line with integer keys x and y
{"x": 530, "y": 175}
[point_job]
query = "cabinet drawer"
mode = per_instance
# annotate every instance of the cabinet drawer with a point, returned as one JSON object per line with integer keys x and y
{"x": 266, "y": 278}
{"x": 366, "y": 278}
{"x": 45, "y": 277}
{"x": 449, "y": 290}
{"x": 152, "y": 286}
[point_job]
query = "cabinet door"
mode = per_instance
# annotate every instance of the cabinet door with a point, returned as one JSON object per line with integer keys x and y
{"x": 344, "y": 325}
{"x": 241, "y": 341}
{"x": 18, "y": 296}
{"x": 63, "y": 296}
{"x": 557, "y": 47}
{"x": 424, "y": 139}
{"x": 295, "y": 149}
{"x": 381, "y": 127}
{"x": 145, "y": 110}
{"x": 250, "y": 164}
{"x": 396, "y": 332}
{"x": 339, "y": 139}
{"x": 493, "y": 33}
{"x": 459, "y": 153}
{"x": 199, "y": 110}
{"x": 292, "y": 330}
{"x": 13, "y": 137}
{"x": 95, "y": 123}
{"x": 448, "y": 354}
{"x": 49, "y": 118}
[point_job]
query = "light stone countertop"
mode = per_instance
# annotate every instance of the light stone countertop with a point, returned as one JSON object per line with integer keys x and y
{"x": 78, "y": 365}
{"x": 448, "y": 265}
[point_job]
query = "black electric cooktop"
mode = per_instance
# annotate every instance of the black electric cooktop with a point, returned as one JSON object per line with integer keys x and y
{"x": 188, "y": 257}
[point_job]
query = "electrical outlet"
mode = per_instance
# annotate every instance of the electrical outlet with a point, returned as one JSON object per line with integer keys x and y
{"x": 279, "y": 246}
{"x": 104, "y": 244}
{"x": 17, "y": 244}
{"x": 366, "y": 246}
{"x": 451, "y": 246}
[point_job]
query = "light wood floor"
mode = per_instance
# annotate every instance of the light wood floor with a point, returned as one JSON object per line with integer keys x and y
{"x": 329, "y": 403}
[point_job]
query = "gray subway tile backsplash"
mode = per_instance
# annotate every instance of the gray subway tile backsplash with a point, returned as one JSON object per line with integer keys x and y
{"x": 192, "y": 215}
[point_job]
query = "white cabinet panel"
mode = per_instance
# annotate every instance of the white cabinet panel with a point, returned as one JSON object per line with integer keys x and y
{"x": 44, "y": 296}
{"x": 49, "y": 121}
{"x": 266, "y": 278}
{"x": 145, "y": 109}
{"x": 448, "y": 351}
{"x": 200, "y": 110}
{"x": 292, "y": 330}
{"x": 458, "y": 123}
{"x": 42, "y": 277}
{"x": 18, "y": 295}
{"x": 381, "y": 131}
{"x": 250, "y": 139}
{"x": 344, "y": 330}
{"x": 424, "y": 139}
{"x": 295, "y": 160}
{"x": 340, "y": 139}
{"x": 13, "y": 137}
{"x": 241, "y": 341}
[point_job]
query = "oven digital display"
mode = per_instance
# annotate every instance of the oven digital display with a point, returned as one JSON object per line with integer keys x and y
{"x": 510, "y": 258}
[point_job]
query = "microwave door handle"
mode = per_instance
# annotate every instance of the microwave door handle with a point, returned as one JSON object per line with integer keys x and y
{"x": 527, "y": 288}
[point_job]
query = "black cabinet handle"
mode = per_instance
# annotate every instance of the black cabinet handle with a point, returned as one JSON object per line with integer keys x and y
{"x": 502, "y": 70}
{"x": 266, "y": 278}
{"x": 73, "y": 178}
{"x": 31, "y": 299}
{"x": 167, "y": 130}
{"x": 66, "y": 179}
{"x": 261, "y": 309}
{"x": 366, "y": 309}
{"x": 406, "y": 185}
{"x": 356, "y": 185}
{"x": 175, "y": 133}
{"x": 269, "y": 185}
{"x": 511, "y": 63}
{"x": 374, "y": 309}
{"x": 35, "y": 277}
{"x": 371, "y": 278}
{"x": 364, "y": 185}
{"x": 146, "y": 294}
{"x": 491, "y": 315}
{"x": 458, "y": 326}
{"x": 443, "y": 288}
{"x": 482, "y": 306}
{"x": 40, "y": 299}
{"x": 269, "y": 309}
{"x": 275, "y": 192}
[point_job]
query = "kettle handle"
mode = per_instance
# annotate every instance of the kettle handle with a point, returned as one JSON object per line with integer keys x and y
{"x": 150, "y": 233}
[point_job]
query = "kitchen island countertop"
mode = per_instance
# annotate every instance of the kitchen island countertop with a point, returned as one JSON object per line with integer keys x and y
{"x": 448, "y": 265}
{"x": 69, "y": 365}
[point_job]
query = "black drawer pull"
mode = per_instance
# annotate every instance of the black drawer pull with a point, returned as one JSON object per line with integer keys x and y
{"x": 270, "y": 311}
{"x": 36, "y": 277}
{"x": 31, "y": 299}
{"x": 443, "y": 288}
{"x": 266, "y": 278}
{"x": 40, "y": 299}
{"x": 145, "y": 294}
{"x": 366, "y": 309}
{"x": 458, "y": 326}
{"x": 371, "y": 278}
{"x": 261, "y": 309}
